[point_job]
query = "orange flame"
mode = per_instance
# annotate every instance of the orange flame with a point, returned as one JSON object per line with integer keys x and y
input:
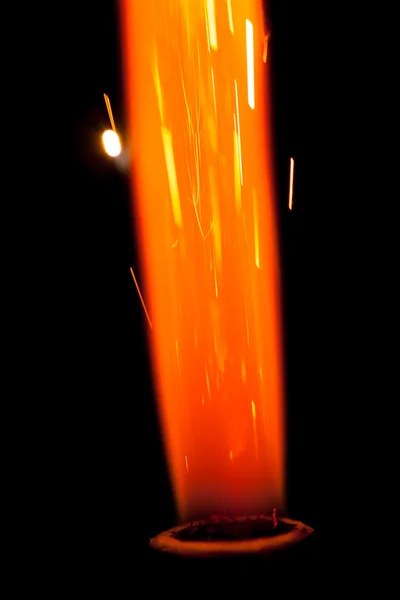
{"x": 198, "y": 104}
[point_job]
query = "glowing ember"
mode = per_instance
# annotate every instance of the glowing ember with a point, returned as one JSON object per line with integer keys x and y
{"x": 198, "y": 103}
{"x": 111, "y": 142}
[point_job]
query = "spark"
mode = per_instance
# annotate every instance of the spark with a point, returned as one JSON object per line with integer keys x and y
{"x": 157, "y": 84}
{"x": 208, "y": 382}
{"x": 230, "y": 16}
{"x": 243, "y": 365}
{"x": 186, "y": 463}
{"x": 111, "y": 143}
{"x": 213, "y": 87}
{"x": 238, "y": 133}
{"x": 256, "y": 238}
{"x": 215, "y": 282}
{"x": 212, "y": 25}
{"x": 172, "y": 180}
{"x": 291, "y": 184}
{"x": 141, "y": 297}
{"x": 231, "y": 455}
{"x": 253, "y": 413}
{"x": 110, "y": 115}
{"x": 250, "y": 63}
{"x": 265, "y": 49}
{"x": 236, "y": 166}
{"x": 216, "y": 222}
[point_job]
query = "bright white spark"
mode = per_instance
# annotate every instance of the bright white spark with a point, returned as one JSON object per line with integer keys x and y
{"x": 111, "y": 143}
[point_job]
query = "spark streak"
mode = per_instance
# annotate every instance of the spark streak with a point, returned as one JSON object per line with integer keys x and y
{"x": 157, "y": 84}
{"x": 265, "y": 49}
{"x": 212, "y": 25}
{"x": 250, "y": 63}
{"x": 236, "y": 166}
{"x": 110, "y": 115}
{"x": 291, "y": 184}
{"x": 253, "y": 414}
{"x": 256, "y": 238}
{"x": 230, "y": 16}
{"x": 172, "y": 180}
{"x": 141, "y": 297}
{"x": 238, "y": 133}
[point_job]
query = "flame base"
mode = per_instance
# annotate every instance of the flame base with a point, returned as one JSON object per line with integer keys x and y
{"x": 230, "y": 537}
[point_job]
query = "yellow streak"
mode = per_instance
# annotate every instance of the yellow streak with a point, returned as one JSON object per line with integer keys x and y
{"x": 178, "y": 362}
{"x": 208, "y": 382}
{"x": 256, "y": 237}
{"x": 212, "y": 25}
{"x": 216, "y": 219}
{"x": 110, "y": 115}
{"x": 230, "y": 16}
{"x": 215, "y": 282}
{"x": 238, "y": 133}
{"x": 250, "y": 63}
{"x": 236, "y": 168}
{"x": 157, "y": 84}
{"x": 291, "y": 184}
{"x": 186, "y": 463}
{"x": 141, "y": 297}
{"x": 253, "y": 412}
{"x": 172, "y": 180}
{"x": 213, "y": 87}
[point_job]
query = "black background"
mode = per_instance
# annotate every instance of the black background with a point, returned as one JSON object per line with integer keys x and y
{"x": 116, "y": 487}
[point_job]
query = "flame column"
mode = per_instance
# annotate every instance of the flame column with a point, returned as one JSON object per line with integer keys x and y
{"x": 198, "y": 103}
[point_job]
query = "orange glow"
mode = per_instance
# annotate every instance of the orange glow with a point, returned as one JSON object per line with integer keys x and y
{"x": 198, "y": 107}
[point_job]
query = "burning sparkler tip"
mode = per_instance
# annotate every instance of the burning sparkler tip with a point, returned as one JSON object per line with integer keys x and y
{"x": 111, "y": 142}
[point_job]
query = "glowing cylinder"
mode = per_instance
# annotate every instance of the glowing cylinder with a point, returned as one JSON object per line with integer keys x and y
{"x": 204, "y": 197}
